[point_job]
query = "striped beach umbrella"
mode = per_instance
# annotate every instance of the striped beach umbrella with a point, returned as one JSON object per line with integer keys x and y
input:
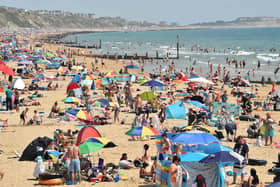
{"x": 80, "y": 114}
{"x": 142, "y": 131}
{"x": 71, "y": 100}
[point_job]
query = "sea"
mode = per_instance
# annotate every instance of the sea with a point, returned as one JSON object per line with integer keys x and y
{"x": 197, "y": 48}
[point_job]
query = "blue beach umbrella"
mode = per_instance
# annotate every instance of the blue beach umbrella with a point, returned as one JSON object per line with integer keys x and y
{"x": 275, "y": 184}
{"x": 194, "y": 138}
{"x": 223, "y": 157}
{"x": 153, "y": 83}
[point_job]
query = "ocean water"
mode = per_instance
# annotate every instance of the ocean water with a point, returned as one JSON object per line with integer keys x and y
{"x": 250, "y": 44}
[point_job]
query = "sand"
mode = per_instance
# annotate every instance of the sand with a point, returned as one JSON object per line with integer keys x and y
{"x": 20, "y": 173}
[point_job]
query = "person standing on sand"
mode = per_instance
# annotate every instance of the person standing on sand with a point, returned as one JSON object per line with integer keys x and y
{"x": 9, "y": 94}
{"x": 241, "y": 148}
{"x": 73, "y": 154}
{"x": 173, "y": 172}
{"x": 269, "y": 130}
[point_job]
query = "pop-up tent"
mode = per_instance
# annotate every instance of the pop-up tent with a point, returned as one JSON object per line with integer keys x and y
{"x": 176, "y": 111}
{"x": 36, "y": 148}
{"x": 87, "y": 132}
{"x": 19, "y": 84}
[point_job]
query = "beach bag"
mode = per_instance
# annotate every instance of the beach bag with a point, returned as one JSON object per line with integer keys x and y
{"x": 39, "y": 168}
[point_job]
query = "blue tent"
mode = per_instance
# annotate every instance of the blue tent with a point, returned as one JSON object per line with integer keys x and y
{"x": 76, "y": 78}
{"x": 192, "y": 157}
{"x": 197, "y": 104}
{"x": 176, "y": 111}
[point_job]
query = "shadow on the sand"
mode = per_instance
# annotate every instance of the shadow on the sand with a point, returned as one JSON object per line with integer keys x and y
{"x": 33, "y": 179}
{"x": 147, "y": 185}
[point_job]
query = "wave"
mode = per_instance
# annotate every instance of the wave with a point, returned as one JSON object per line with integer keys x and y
{"x": 268, "y": 58}
{"x": 242, "y": 53}
{"x": 269, "y": 54}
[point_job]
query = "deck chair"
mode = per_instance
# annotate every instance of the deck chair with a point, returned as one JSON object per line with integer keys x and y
{"x": 100, "y": 165}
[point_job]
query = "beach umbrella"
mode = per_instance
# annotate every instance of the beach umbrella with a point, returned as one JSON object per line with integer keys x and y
{"x": 275, "y": 184}
{"x": 72, "y": 86}
{"x": 49, "y": 54}
{"x": 142, "y": 131}
{"x": 132, "y": 66}
{"x": 214, "y": 148}
{"x": 80, "y": 114}
{"x": 183, "y": 95}
{"x": 192, "y": 156}
{"x": 89, "y": 77}
{"x": 71, "y": 100}
{"x": 42, "y": 62}
{"x": 39, "y": 76}
{"x": 153, "y": 83}
{"x": 5, "y": 69}
{"x": 25, "y": 63}
{"x": 194, "y": 138}
{"x": 62, "y": 69}
{"x": 3, "y": 89}
{"x": 2, "y": 62}
{"x": 88, "y": 147}
{"x": 201, "y": 80}
{"x": 223, "y": 157}
{"x": 103, "y": 82}
{"x": 148, "y": 96}
{"x": 112, "y": 73}
{"x": 102, "y": 101}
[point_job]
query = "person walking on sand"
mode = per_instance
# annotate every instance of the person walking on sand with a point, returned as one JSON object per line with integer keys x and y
{"x": 74, "y": 153}
{"x": 23, "y": 116}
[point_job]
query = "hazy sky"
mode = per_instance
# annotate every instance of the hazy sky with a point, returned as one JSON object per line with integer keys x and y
{"x": 181, "y": 11}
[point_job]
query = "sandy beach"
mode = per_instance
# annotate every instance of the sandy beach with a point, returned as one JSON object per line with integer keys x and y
{"x": 18, "y": 137}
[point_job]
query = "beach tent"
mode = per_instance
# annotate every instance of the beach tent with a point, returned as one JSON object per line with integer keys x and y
{"x": 176, "y": 111}
{"x": 210, "y": 171}
{"x": 77, "y": 78}
{"x": 197, "y": 104}
{"x": 19, "y": 84}
{"x": 36, "y": 148}
{"x": 192, "y": 156}
{"x": 72, "y": 86}
{"x": 86, "y": 133}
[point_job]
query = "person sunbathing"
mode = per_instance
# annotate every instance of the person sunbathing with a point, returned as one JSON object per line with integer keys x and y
{"x": 125, "y": 163}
